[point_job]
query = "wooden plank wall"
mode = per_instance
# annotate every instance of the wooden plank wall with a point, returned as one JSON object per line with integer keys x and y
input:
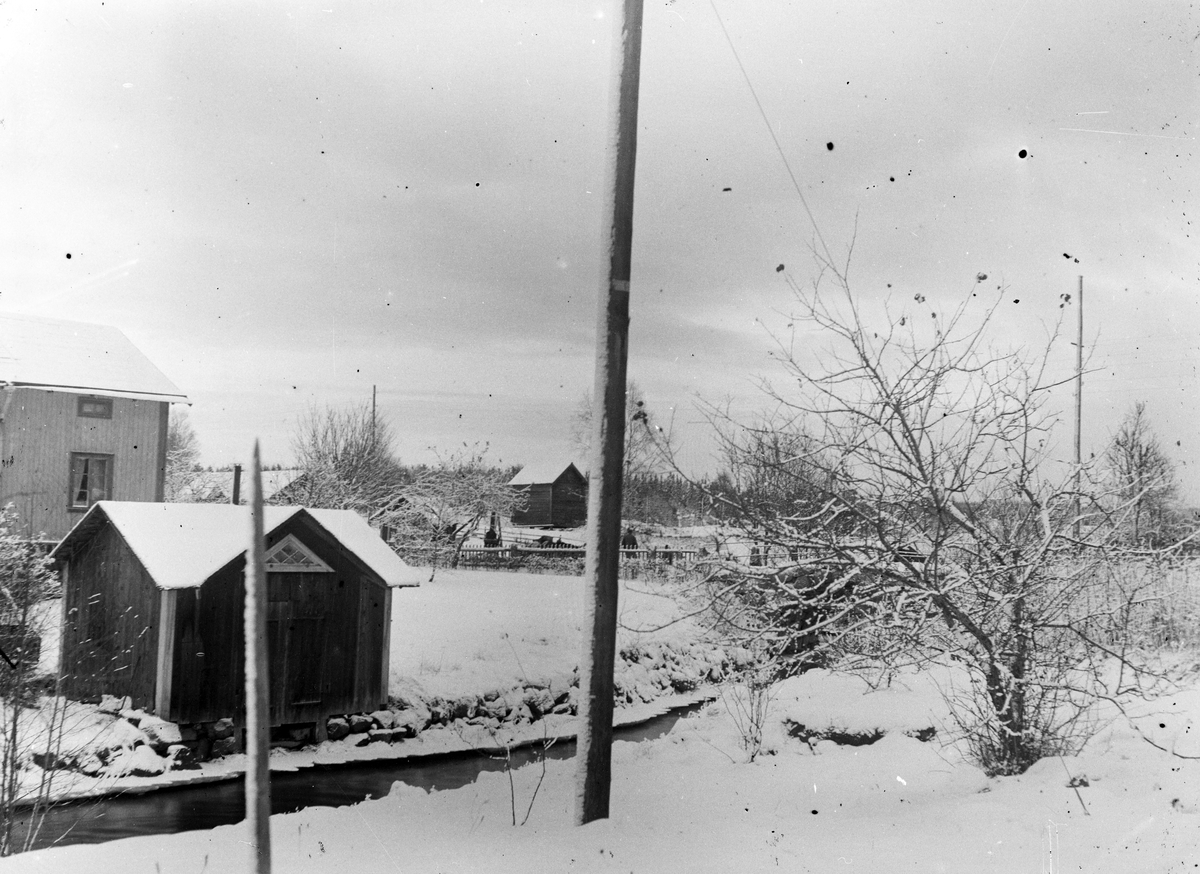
{"x": 327, "y": 633}
{"x": 209, "y": 649}
{"x": 43, "y": 428}
{"x": 538, "y": 506}
{"x": 570, "y": 502}
{"x": 110, "y": 634}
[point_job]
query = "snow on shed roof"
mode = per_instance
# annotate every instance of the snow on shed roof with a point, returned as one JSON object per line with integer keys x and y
{"x": 78, "y": 357}
{"x": 542, "y": 472}
{"x": 182, "y": 545}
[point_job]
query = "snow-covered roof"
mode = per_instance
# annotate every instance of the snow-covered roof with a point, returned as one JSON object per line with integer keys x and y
{"x": 182, "y": 545}
{"x": 78, "y": 357}
{"x": 542, "y": 472}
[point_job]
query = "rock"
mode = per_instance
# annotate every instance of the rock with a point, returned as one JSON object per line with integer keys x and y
{"x": 381, "y": 735}
{"x": 519, "y": 714}
{"x": 421, "y": 716}
{"x": 407, "y": 724}
{"x": 222, "y": 729}
{"x": 383, "y": 718}
{"x": 91, "y": 765}
{"x": 360, "y": 723}
{"x": 464, "y": 707}
{"x": 497, "y": 708}
{"x": 539, "y": 701}
{"x": 181, "y": 758}
{"x": 139, "y": 762}
{"x": 189, "y": 733}
{"x": 134, "y": 717}
{"x": 681, "y": 682}
{"x": 112, "y": 704}
{"x": 337, "y": 727}
{"x": 49, "y": 761}
{"x": 224, "y": 746}
{"x": 161, "y": 734}
{"x": 716, "y": 674}
{"x": 439, "y": 711}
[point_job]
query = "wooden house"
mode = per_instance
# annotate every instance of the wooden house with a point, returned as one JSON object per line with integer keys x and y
{"x": 153, "y": 598}
{"x": 555, "y": 495}
{"x": 83, "y": 418}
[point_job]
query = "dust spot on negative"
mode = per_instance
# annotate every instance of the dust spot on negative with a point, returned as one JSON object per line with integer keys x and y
{"x": 68, "y": 256}
{"x": 829, "y": 146}
{"x": 1022, "y": 154}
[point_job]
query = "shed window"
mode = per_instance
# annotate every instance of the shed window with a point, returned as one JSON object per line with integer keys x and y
{"x": 91, "y": 479}
{"x": 290, "y": 554}
{"x": 95, "y": 408}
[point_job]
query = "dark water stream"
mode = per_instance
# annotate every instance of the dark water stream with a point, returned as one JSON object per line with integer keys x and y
{"x": 207, "y": 805}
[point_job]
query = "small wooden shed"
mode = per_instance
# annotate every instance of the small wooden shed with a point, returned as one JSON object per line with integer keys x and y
{"x": 556, "y": 495}
{"x": 153, "y": 596}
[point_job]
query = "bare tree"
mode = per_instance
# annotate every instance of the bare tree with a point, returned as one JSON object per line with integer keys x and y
{"x": 435, "y": 514}
{"x": 346, "y": 455}
{"x": 644, "y": 437}
{"x": 31, "y": 722}
{"x": 183, "y": 479}
{"x": 642, "y": 453}
{"x": 924, "y": 514}
{"x": 1144, "y": 477}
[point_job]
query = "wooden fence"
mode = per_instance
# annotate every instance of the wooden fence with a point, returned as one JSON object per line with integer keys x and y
{"x": 515, "y": 556}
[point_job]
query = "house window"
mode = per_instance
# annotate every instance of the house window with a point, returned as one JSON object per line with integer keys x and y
{"x": 95, "y": 408}
{"x": 91, "y": 479}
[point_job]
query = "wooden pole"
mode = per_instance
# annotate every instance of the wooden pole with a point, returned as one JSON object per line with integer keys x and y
{"x": 1078, "y": 404}
{"x": 593, "y": 755}
{"x": 258, "y": 725}
{"x": 236, "y": 497}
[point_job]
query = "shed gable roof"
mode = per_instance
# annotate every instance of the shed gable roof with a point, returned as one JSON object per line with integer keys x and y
{"x": 182, "y": 545}
{"x": 543, "y": 472}
{"x": 78, "y": 357}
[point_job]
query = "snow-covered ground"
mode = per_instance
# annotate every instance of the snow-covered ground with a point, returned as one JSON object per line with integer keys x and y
{"x": 473, "y": 631}
{"x": 690, "y": 801}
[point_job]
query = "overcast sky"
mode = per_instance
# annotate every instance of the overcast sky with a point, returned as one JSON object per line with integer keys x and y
{"x": 284, "y": 204}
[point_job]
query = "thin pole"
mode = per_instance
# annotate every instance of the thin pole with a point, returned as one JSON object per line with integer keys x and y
{"x": 1078, "y": 403}
{"x": 258, "y": 772}
{"x": 372, "y": 417}
{"x": 593, "y": 755}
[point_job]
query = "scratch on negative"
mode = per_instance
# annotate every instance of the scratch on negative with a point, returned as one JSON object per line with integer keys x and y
{"x": 1121, "y": 133}
{"x": 375, "y": 835}
{"x": 1000, "y": 47}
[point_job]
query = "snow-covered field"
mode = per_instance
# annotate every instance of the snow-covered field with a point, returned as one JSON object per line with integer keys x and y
{"x": 472, "y": 631}
{"x": 691, "y": 802}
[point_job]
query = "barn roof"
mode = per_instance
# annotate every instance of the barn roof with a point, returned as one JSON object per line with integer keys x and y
{"x": 182, "y": 545}
{"x": 542, "y": 472}
{"x": 78, "y": 357}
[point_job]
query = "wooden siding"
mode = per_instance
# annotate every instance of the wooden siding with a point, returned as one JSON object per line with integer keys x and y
{"x": 570, "y": 500}
{"x": 539, "y": 504}
{"x": 325, "y": 633}
{"x": 41, "y": 429}
{"x": 110, "y": 627}
{"x": 561, "y": 504}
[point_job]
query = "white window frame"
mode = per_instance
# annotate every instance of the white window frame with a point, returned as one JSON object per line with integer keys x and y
{"x": 317, "y": 566}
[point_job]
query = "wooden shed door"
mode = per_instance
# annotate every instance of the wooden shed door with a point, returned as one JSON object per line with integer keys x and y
{"x": 298, "y": 611}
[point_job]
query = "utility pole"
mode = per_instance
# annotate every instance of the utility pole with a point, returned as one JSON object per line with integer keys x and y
{"x": 1078, "y": 404}
{"x": 593, "y": 754}
{"x": 258, "y": 717}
